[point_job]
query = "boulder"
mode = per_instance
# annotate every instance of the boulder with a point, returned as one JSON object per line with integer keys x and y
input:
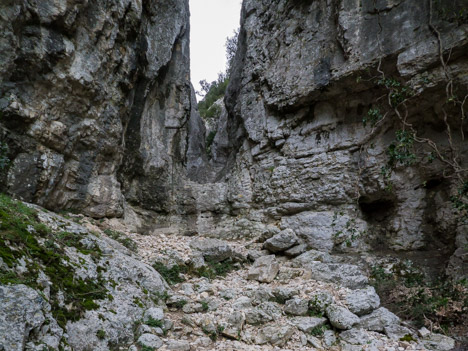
{"x": 347, "y": 275}
{"x": 397, "y": 332}
{"x": 275, "y": 335}
{"x": 438, "y": 342}
{"x": 356, "y": 337}
{"x": 296, "y": 306}
{"x": 178, "y": 345}
{"x": 150, "y": 341}
{"x": 306, "y": 324}
{"x": 212, "y": 249}
{"x": 155, "y": 313}
{"x": 296, "y": 250}
{"x": 234, "y": 325}
{"x": 341, "y": 318}
{"x": 378, "y": 320}
{"x": 308, "y": 257}
{"x": 256, "y": 316}
{"x": 264, "y": 269}
{"x": 363, "y": 301}
{"x": 281, "y": 241}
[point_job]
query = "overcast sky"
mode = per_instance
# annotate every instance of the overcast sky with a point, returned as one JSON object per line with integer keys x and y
{"x": 212, "y": 21}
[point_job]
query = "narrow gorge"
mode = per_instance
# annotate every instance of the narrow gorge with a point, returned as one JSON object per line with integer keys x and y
{"x": 328, "y": 209}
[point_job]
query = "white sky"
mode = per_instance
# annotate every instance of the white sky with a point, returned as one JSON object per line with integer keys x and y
{"x": 211, "y": 22}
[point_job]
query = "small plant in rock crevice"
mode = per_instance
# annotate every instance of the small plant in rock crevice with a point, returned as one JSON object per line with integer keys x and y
{"x": 101, "y": 334}
{"x": 319, "y": 330}
{"x": 122, "y": 238}
{"x": 175, "y": 274}
{"x": 154, "y": 322}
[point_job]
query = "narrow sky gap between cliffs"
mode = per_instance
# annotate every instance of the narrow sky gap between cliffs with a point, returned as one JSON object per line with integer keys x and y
{"x": 211, "y": 22}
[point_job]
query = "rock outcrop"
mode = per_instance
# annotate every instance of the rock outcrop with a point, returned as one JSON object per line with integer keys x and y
{"x": 97, "y": 104}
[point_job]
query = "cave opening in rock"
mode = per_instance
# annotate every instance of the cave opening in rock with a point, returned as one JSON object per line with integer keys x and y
{"x": 376, "y": 209}
{"x": 211, "y": 23}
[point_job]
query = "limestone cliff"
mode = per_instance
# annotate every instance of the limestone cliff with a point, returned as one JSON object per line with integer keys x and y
{"x": 309, "y": 78}
{"x": 97, "y": 103}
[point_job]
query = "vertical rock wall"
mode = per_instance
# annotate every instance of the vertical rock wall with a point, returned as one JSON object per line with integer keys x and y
{"x": 96, "y": 103}
{"x": 306, "y": 75}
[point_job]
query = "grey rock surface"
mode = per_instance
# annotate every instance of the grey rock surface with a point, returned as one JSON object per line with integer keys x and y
{"x": 341, "y": 318}
{"x": 439, "y": 342}
{"x": 155, "y": 313}
{"x": 264, "y": 269}
{"x": 363, "y": 301}
{"x": 178, "y": 345}
{"x": 281, "y": 241}
{"x": 397, "y": 332}
{"x": 150, "y": 341}
{"x": 22, "y": 312}
{"x": 346, "y": 274}
{"x": 355, "y": 337}
{"x": 212, "y": 249}
{"x": 296, "y": 250}
{"x": 26, "y": 317}
{"x": 257, "y": 316}
{"x": 274, "y": 335}
{"x": 306, "y": 324}
{"x": 101, "y": 102}
{"x": 378, "y": 320}
{"x": 296, "y": 306}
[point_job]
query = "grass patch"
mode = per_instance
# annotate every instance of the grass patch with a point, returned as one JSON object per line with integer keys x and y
{"x": 205, "y": 306}
{"x": 101, "y": 334}
{"x": 154, "y": 322}
{"x": 180, "y": 304}
{"x": 173, "y": 274}
{"x": 319, "y": 330}
{"x": 122, "y": 238}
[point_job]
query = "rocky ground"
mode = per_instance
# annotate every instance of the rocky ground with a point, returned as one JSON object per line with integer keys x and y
{"x": 74, "y": 283}
{"x": 273, "y": 295}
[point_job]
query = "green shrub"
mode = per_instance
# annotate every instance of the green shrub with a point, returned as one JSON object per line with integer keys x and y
{"x": 154, "y": 322}
{"x": 101, "y": 334}
{"x": 214, "y": 92}
{"x": 171, "y": 274}
{"x": 405, "y": 290}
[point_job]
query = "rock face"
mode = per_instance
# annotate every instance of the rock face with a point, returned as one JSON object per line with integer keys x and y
{"x": 317, "y": 90}
{"x": 97, "y": 105}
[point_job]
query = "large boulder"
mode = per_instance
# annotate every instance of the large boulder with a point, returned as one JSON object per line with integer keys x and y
{"x": 212, "y": 249}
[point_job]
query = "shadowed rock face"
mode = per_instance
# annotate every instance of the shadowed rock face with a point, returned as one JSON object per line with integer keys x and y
{"x": 97, "y": 103}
